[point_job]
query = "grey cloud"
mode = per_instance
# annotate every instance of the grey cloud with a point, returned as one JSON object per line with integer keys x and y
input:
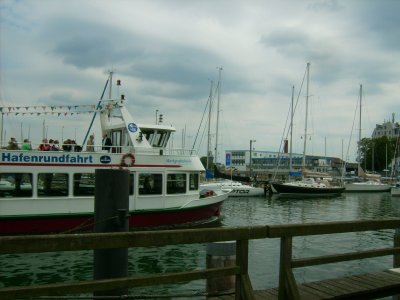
{"x": 381, "y": 20}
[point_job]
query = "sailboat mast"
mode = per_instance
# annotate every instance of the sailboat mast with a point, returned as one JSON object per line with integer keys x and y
{"x": 359, "y": 130}
{"x": 291, "y": 133}
{"x": 216, "y": 134}
{"x": 209, "y": 125}
{"x": 305, "y": 126}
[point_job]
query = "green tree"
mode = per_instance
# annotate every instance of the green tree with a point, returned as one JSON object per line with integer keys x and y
{"x": 375, "y": 152}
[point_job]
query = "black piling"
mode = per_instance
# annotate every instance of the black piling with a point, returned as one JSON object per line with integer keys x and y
{"x": 111, "y": 210}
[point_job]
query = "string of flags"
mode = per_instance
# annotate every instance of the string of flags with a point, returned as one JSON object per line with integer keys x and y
{"x": 58, "y": 110}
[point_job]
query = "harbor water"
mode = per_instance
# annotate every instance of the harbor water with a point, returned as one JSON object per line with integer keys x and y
{"x": 45, "y": 268}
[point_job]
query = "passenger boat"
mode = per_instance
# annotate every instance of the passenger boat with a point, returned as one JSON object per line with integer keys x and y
{"x": 53, "y": 191}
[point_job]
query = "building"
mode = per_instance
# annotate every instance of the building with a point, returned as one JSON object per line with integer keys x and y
{"x": 270, "y": 163}
{"x": 388, "y": 128}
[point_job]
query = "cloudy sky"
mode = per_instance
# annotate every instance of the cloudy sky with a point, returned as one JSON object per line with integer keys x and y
{"x": 166, "y": 54}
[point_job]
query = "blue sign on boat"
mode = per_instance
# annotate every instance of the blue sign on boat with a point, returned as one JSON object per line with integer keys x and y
{"x": 105, "y": 159}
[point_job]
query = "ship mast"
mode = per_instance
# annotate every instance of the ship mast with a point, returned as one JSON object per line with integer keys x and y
{"x": 218, "y": 103}
{"x": 209, "y": 125}
{"x": 291, "y": 134}
{"x": 305, "y": 127}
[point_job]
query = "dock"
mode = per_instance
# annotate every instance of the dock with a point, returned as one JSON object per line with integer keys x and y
{"x": 382, "y": 283}
{"x": 365, "y": 286}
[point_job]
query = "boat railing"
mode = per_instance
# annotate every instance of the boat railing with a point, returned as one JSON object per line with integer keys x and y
{"x": 112, "y": 149}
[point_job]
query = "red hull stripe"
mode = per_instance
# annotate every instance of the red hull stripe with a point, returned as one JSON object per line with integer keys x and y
{"x": 82, "y": 223}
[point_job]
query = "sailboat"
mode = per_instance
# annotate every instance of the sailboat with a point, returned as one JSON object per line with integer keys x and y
{"x": 370, "y": 182}
{"x": 307, "y": 186}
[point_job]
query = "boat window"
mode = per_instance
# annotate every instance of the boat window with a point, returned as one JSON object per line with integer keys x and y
{"x": 157, "y": 139}
{"x": 84, "y": 184}
{"x": 15, "y": 185}
{"x": 176, "y": 183}
{"x": 131, "y": 183}
{"x": 52, "y": 184}
{"x": 193, "y": 182}
{"x": 150, "y": 184}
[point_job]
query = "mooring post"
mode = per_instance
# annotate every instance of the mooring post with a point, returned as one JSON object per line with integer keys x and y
{"x": 221, "y": 254}
{"x": 396, "y": 257}
{"x": 111, "y": 209}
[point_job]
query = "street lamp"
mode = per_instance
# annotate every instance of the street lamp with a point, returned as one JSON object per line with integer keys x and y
{"x": 251, "y": 148}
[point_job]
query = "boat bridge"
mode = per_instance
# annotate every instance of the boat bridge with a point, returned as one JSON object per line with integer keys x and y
{"x": 364, "y": 286}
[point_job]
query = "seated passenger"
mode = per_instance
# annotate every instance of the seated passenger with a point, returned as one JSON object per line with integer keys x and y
{"x": 12, "y": 144}
{"x": 44, "y": 146}
{"x": 26, "y": 145}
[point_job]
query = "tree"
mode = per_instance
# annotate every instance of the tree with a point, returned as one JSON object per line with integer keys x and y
{"x": 375, "y": 152}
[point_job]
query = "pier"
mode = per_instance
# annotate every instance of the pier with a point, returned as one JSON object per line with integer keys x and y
{"x": 364, "y": 286}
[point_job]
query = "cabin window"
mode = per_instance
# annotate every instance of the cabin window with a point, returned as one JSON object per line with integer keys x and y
{"x": 176, "y": 183}
{"x": 84, "y": 184}
{"x": 15, "y": 185}
{"x": 52, "y": 184}
{"x": 193, "y": 182}
{"x": 150, "y": 184}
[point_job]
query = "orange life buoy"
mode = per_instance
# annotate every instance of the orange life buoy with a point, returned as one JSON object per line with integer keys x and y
{"x": 127, "y": 160}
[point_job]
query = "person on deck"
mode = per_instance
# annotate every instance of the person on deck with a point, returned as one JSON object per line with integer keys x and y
{"x": 12, "y": 144}
{"x": 26, "y": 145}
{"x": 44, "y": 146}
{"x": 106, "y": 143}
{"x": 90, "y": 144}
{"x": 55, "y": 146}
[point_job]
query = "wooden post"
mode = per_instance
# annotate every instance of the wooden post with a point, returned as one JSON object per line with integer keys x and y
{"x": 396, "y": 257}
{"x": 221, "y": 254}
{"x": 287, "y": 282}
{"x": 111, "y": 215}
{"x": 244, "y": 289}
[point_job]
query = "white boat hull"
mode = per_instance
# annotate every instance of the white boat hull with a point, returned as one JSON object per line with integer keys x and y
{"x": 368, "y": 186}
{"x": 235, "y": 189}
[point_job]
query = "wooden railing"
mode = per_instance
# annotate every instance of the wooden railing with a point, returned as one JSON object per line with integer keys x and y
{"x": 73, "y": 242}
{"x": 288, "y": 288}
{"x": 242, "y": 235}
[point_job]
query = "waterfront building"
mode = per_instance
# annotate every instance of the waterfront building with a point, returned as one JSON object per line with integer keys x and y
{"x": 389, "y": 128}
{"x": 270, "y": 162}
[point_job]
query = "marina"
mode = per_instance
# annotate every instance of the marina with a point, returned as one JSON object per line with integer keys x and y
{"x": 263, "y": 253}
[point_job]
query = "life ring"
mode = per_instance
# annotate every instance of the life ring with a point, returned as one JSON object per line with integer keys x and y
{"x": 127, "y": 160}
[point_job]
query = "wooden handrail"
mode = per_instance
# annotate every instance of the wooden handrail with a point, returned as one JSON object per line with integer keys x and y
{"x": 242, "y": 235}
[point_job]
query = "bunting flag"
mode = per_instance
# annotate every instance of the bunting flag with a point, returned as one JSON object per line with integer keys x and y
{"x": 57, "y": 110}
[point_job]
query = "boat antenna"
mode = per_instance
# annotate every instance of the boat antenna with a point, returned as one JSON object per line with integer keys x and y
{"x": 98, "y": 106}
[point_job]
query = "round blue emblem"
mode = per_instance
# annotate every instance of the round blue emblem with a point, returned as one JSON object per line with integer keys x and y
{"x": 132, "y": 127}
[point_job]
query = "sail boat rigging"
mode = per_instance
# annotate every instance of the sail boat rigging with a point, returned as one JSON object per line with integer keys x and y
{"x": 307, "y": 186}
{"x": 371, "y": 182}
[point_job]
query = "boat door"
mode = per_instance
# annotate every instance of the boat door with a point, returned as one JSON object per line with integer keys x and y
{"x": 121, "y": 141}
